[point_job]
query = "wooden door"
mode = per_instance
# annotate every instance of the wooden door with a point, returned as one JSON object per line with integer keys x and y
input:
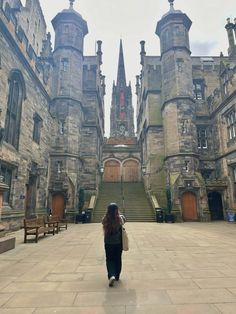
{"x": 189, "y": 206}
{"x": 58, "y": 205}
{"x": 112, "y": 171}
{"x": 131, "y": 171}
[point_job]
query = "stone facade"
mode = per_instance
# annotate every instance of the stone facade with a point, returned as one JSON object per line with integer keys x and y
{"x": 186, "y": 123}
{"x": 52, "y": 145}
{"x": 52, "y": 112}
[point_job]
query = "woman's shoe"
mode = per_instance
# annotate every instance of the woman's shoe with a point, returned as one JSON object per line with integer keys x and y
{"x": 111, "y": 281}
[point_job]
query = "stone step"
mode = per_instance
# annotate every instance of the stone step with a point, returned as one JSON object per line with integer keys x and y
{"x": 135, "y": 202}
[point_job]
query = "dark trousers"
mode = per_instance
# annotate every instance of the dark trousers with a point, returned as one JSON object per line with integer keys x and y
{"x": 113, "y": 260}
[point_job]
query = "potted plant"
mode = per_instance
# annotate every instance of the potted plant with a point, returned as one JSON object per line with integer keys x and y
{"x": 169, "y": 217}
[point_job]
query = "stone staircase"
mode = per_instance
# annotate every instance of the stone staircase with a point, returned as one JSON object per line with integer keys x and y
{"x": 131, "y": 199}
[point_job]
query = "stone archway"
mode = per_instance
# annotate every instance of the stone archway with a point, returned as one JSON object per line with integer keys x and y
{"x": 215, "y": 206}
{"x": 189, "y": 206}
{"x": 130, "y": 171}
{"x": 112, "y": 171}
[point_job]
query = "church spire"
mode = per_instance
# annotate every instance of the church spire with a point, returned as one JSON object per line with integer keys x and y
{"x": 121, "y": 79}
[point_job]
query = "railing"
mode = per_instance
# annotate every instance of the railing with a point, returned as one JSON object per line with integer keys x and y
{"x": 154, "y": 202}
{"x": 92, "y": 204}
{"x": 122, "y": 195}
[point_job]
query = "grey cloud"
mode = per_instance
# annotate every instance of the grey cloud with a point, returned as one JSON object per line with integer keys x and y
{"x": 202, "y": 47}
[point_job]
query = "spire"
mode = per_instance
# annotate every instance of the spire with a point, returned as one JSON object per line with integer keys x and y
{"x": 121, "y": 68}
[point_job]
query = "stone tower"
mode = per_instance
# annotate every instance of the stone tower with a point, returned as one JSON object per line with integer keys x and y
{"x": 178, "y": 106}
{"x": 122, "y": 113}
{"x": 66, "y": 105}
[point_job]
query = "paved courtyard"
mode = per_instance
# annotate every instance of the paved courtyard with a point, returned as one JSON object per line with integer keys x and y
{"x": 184, "y": 268}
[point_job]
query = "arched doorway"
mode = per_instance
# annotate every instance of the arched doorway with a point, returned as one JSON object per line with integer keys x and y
{"x": 215, "y": 206}
{"x": 111, "y": 171}
{"x": 130, "y": 171}
{"x": 189, "y": 206}
{"x": 58, "y": 205}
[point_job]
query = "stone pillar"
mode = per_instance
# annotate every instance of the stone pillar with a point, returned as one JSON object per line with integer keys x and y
{"x": 230, "y": 31}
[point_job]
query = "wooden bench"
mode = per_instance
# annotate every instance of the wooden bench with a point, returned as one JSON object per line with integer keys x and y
{"x": 57, "y": 223}
{"x": 35, "y": 227}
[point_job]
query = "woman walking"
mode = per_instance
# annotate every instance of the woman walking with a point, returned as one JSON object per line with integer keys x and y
{"x": 112, "y": 224}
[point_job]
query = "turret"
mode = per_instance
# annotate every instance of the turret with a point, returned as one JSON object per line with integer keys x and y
{"x": 70, "y": 29}
{"x": 231, "y": 31}
{"x": 142, "y": 52}
{"x": 173, "y": 31}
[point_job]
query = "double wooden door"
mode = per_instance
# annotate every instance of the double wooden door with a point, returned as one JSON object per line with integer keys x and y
{"x": 129, "y": 171}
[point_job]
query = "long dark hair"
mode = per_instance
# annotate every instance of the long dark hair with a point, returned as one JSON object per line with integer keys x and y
{"x": 111, "y": 221}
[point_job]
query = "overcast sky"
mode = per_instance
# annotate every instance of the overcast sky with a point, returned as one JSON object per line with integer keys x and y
{"x": 135, "y": 20}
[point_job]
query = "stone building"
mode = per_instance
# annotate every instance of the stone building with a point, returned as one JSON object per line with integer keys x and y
{"x": 186, "y": 123}
{"x": 53, "y": 154}
{"x": 52, "y": 112}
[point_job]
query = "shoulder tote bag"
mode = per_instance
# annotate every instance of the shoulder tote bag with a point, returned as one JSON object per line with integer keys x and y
{"x": 125, "y": 240}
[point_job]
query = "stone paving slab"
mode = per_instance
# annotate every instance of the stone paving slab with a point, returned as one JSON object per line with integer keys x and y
{"x": 187, "y": 268}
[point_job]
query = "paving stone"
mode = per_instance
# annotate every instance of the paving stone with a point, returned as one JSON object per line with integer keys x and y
{"x": 172, "y": 309}
{"x": 59, "y": 276}
{"x": 17, "y": 311}
{"x": 83, "y": 310}
{"x": 42, "y": 299}
{"x": 229, "y": 308}
{"x": 201, "y": 296}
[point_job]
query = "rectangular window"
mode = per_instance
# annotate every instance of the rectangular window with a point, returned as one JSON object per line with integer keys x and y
{"x": 37, "y": 128}
{"x": 234, "y": 174}
{"x": 66, "y": 29}
{"x": 224, "y": 81}
{"x": 7, "y": 178}
{"x": 198, "y": 89}
{"x": 65, "y": 64}
{"x": 231, "y": 125}
{"x": 202, "y": 138}
{"x": 62, "y": 127}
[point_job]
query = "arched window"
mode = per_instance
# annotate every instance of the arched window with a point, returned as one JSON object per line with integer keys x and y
{"x": 14, "y": 106}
